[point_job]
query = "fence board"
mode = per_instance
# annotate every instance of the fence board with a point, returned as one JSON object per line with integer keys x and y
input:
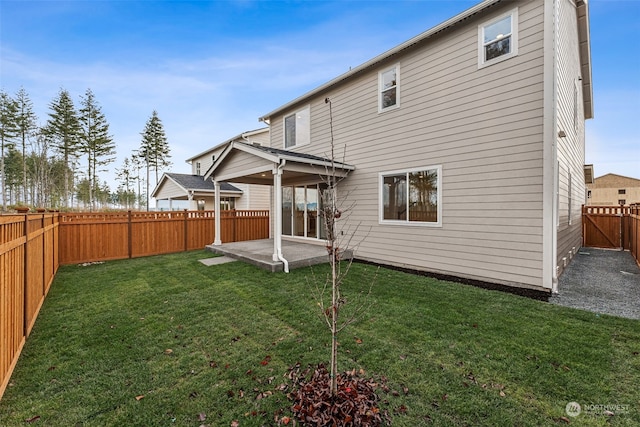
{"x": 28, "y": 263}
{"x": 107, "y": 236}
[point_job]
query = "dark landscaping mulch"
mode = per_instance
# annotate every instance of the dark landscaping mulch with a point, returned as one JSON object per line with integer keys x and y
{"x": 356, "y": 403}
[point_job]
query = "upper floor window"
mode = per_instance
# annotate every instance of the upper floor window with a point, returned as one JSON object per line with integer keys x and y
{"x": 498, "y": 39}
{"x": 198, "y": 168}
{"x": 622, "y": 191}
{"x": 297, "y": 128}
{"x": 411, "y": 197}
{"x": 388, "y": 88}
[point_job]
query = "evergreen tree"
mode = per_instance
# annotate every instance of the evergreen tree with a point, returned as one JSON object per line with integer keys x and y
{"x": 26, "y": 126}
{"x": 126, "y": 176}
{"x": 8, "y": 131}
{"x": 13, "y": 173}
{"x": 154, "y": 149}
{"x": 63, "y": 128}
{"x": 95, "y": 141}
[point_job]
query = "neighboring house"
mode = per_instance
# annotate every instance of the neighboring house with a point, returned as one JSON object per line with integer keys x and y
{"x": 200, "y": 192}
{"x": 463, "y": 148}
{"x": 612, "y": 189}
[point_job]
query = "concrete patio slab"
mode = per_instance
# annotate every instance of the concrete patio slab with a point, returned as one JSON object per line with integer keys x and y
{"x": 260, "y": 253}
{"x": 217, "y": 260}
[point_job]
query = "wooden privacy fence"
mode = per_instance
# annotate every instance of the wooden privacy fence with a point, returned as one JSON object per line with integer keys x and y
{"x": 612, "y": 227}
{"x": 32, "y": 247}
{"x": 28, "y": 264}
{"x": 86, "y": 237}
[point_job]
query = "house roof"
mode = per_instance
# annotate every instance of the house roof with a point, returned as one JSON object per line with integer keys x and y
{"x": 372, "y": 63}
{"x": 616, "y": 180}
{"x": 583, "y": 34}
{"x": 238, "y": 137}
{"x": 194, "y": 183}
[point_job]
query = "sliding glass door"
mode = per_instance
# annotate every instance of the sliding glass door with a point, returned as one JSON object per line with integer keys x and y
{"x": 300, "y": 206}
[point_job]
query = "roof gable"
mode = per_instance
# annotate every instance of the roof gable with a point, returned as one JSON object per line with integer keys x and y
{"x": 192, "y": 183}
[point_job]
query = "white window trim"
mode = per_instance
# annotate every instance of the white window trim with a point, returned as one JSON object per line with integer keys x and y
{"x": 380, "y": 83}
{"x": 514, "y": 39}
{"x": 284, "y": 128}
{"x": 383, "y": 221}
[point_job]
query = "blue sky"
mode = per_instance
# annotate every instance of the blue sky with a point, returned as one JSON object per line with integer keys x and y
{"x": 211, "y": 69}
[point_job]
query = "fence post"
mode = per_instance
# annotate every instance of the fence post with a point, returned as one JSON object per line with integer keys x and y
{"x": 186, "y": 229}
{"x": 235, "y": 225}
{"x": 44, "y": 246}
{"x": 25, "y": 278}
{"x": 129, "y": 235}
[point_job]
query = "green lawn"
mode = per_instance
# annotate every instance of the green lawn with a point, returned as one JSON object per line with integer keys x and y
{"x": 165, "y": 341}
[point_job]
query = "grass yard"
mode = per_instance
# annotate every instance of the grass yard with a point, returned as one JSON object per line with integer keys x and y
{"x": 166, "y": 341}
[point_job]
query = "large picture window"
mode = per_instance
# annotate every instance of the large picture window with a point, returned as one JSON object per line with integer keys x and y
{"x": 388, "y": 88}
{"x": 411, "y": 196}
{"x": 498, "y": 39}
{"x": 297, "y": 129}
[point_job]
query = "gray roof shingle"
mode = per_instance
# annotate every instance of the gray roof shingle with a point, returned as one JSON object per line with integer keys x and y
{"x": 197, "y": 182}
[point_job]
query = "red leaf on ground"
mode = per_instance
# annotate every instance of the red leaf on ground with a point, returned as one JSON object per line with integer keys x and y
{"x": 358, "y": 340}
{"x": 266, "y": 360}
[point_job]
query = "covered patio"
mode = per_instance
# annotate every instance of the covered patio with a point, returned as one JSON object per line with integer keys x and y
{"x": 255, "y": 164}
{"x": 260, "y": 253}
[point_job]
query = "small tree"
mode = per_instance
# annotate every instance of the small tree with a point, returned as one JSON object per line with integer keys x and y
{"x": 338, "y": 244}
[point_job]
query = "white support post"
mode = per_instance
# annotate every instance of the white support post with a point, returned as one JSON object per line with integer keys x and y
{"x": 277, "y": 211}
{"x": 217, "y": 241}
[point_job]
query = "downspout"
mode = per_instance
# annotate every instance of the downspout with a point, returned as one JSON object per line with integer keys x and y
{"x": 278, "y": 210}
{"x": 550, "y": 150}
{"x": 556, "y": 180}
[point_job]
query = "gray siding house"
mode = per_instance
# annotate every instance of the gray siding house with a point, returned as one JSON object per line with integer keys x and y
{"x": 463, "y": 148}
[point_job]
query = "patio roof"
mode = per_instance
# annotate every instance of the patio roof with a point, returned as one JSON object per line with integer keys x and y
{"x": 255, "y": 164}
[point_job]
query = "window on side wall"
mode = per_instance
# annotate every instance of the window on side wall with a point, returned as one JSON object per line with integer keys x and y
{"x": 498, "y": 39}
{"x": 389, "y": 95}
{"x": 297, "y": 128}
{"x": 411, "y": 197}
{"x": 197, "y": 168}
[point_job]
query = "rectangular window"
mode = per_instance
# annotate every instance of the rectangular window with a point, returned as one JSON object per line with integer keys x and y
{"x": 588, "y": 194}
{"x": 297, "y": 128}
{"x": 622, "y": 191}
{"x": 411, "y": 197}
{"x": 388, "y": 88}
{"x": 498, "y": 39}
{"x": 622, "y": 202}
{"x": 197, "y": 168}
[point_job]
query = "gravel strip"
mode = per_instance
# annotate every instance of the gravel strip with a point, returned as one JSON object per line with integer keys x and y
{"x": 602, "y": 281}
